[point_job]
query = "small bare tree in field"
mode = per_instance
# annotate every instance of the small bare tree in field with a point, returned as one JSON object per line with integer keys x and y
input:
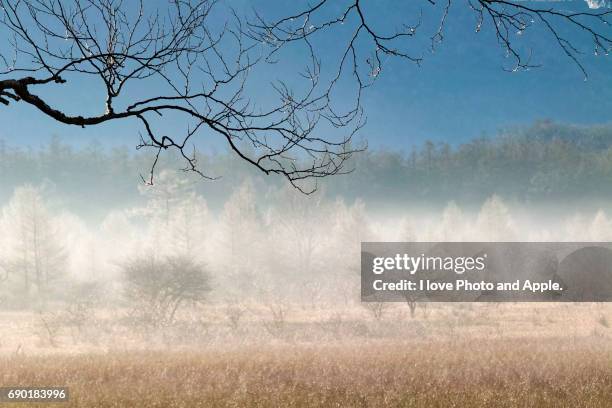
{"x": 278, "y": 318}
{"x": 376, "y": 308}
{"x": 411, "y": 301}
{"x": 79, "y": 312}
{"x": 234, "y": 314}
{"x": 158, "y": 288}
{"x": 48, "y": 328}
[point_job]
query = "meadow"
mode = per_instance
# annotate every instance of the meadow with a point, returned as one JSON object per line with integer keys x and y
{"x": 448, "y": 355}
{"x": 273, "y": 315}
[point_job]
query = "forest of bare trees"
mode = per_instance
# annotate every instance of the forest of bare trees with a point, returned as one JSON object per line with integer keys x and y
{"x": 540, "y": 162}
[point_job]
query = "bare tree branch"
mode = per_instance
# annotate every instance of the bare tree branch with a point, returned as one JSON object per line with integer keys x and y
{"x": 508, "y": 19}
{"x": 200, "y": 69}
{"x": 204, "y": 72}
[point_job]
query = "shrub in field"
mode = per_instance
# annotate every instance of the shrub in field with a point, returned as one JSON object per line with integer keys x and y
{"x": 157, "y": 288}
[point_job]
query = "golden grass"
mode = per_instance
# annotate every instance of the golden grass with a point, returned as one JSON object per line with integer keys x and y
{"x": 488, "y": 373}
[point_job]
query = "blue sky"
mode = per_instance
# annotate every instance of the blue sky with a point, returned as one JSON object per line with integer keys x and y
{"x": 459, "y": 92}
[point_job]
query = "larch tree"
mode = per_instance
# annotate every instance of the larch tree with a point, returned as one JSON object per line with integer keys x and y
{"x": 37, "y": 257}
{"x": 239, "y": 243}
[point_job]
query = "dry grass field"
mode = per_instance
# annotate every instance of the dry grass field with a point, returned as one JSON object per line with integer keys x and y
{"x": 454, "y": 356}
{"x": 496, "y": 373}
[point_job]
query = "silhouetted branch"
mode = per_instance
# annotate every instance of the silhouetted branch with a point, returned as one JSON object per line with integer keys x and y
{"x": 199, "y": 69}
{"x": 199, "y": 74}
{"x": 509, "y": 19}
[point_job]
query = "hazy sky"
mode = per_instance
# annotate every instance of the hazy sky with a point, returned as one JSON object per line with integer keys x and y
{"x": 459, "y": 92}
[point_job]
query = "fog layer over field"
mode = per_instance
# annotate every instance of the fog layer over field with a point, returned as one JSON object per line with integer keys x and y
{"x": 297, "y": 247}
{"x": 261, "y": 260}
{"x": 257, "y": 305}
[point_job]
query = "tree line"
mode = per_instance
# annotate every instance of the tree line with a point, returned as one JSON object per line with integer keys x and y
{"x": 544, "y": 161}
